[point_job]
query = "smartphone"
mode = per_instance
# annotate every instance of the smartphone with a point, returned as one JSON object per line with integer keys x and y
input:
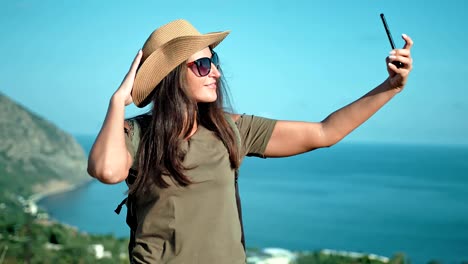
{"x": 389, "y": 35}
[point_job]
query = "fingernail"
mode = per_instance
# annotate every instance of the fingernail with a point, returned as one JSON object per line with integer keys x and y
{"x": 392, "y": 52}
{"x": 404, "y": 35}
{"x": 392, "y": 57}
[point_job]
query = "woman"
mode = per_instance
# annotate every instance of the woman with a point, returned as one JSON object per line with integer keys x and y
{"x": 186, "y": 151}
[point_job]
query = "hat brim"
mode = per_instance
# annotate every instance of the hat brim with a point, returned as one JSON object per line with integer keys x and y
{"x": 165, "y": 59}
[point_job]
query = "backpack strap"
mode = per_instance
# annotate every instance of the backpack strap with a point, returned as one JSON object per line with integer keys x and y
{"x": 133, "y": 133}
{"x": 238, "y": 199}
{"x": 234, "y": 128}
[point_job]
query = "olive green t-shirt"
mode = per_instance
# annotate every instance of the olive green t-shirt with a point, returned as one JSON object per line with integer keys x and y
{"x": 198, "y": 223}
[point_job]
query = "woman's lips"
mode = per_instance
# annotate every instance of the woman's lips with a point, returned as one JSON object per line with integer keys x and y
{"x": 211, "y": 85}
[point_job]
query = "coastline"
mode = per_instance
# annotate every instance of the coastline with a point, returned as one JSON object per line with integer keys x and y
{"x": 54, "y": 187}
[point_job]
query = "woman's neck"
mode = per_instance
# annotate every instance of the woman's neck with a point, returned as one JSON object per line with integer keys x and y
{"x": 193, "y": 130}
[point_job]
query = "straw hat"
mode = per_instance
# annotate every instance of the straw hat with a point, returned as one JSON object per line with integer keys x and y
{"x": 166, "y": 48}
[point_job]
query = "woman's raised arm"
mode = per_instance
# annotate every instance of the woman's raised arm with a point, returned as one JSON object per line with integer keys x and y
{"x": 291, "y": 138}
{"x": 109, "y": 159}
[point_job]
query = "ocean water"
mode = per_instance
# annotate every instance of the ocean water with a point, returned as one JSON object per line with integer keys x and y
{"x": 370, "y": 198}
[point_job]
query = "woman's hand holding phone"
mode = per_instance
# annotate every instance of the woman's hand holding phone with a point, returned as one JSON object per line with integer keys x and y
{"x": 399, "y": 76}
{"x": 399, "y": 61}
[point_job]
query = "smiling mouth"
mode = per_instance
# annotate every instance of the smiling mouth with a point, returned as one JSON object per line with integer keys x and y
{"x": 211, "y": 85}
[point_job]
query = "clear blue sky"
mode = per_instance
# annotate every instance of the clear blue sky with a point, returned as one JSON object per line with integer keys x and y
{"x": 295, "y": 60}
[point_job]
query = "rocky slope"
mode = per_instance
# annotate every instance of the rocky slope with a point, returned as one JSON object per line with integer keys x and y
{"x": 35, "y": 155}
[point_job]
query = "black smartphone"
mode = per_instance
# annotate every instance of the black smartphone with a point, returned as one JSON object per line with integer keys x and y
{"x": 389, "y": 35}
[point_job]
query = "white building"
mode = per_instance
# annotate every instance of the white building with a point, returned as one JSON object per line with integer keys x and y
{"x": 99, "y": 251}
{"x": 272, "y": 256}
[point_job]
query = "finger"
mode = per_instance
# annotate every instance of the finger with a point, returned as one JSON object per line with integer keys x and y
{"x": 392, "y": 67}
{"x": 136, "y": 61}
{"x": 405, "y": 60}
{"x": 401, "y": 52}
{"x": 395, "y": 69}
{"x": 408, "y": 41}
{"x": 130, "y": 76}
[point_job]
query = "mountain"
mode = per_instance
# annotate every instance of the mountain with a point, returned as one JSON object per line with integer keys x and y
{"x": 35, "y": 155}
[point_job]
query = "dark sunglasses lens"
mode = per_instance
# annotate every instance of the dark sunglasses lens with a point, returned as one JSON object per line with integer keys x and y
{"x": 204, "y": 66}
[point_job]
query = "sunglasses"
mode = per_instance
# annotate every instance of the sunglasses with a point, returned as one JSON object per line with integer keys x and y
{"x": 203, "y": 65}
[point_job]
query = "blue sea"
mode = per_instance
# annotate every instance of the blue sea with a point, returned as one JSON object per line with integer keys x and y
{"x": 370, "y": 198}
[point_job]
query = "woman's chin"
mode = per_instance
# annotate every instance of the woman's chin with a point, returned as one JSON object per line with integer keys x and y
{"x": 207, "y": 99}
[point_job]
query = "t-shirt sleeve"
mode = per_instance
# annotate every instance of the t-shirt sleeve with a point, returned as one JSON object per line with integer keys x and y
{"x": 255, "y": 132}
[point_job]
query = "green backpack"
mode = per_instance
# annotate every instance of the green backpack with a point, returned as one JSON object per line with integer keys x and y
{"x": 129, "y": 200}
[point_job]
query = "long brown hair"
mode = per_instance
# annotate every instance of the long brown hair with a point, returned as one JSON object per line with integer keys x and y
{"x": 169, "y": 123}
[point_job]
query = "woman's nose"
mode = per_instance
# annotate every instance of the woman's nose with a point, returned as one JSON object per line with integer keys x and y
{"x": 214, "y": 71}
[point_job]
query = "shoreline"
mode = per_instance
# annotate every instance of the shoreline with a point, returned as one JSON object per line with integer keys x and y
{"x": 331, "y": 251}
{"x": 54, "y": 188}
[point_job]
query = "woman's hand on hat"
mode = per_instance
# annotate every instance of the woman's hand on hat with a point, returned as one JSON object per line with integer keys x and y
{"x": 124, "y": 92}
{"x": 398, "y": 76}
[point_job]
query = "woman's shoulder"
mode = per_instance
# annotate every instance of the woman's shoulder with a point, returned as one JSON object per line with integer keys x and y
{"x": 245, "y": 117}
{"x": 250, "y": 117}
{"x": 142, "y": 121}
{"x": 234, "y": 117}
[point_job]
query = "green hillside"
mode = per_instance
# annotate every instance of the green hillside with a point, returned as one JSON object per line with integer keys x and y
{"x": 35, "y": 155}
